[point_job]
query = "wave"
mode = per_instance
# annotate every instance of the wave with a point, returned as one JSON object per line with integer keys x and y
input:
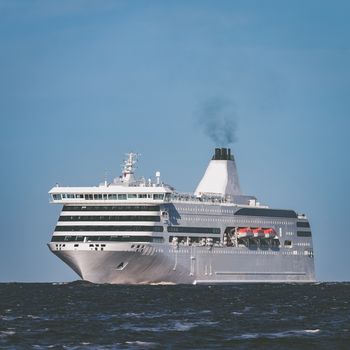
{"x": 142, "y": 344}
{"x": 274, "y": 335}
{"x": 174, "y": 326}
{"x": 4, "y": 334}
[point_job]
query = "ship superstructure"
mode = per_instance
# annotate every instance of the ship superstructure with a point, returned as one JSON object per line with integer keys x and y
{"x": 143, "y": 231}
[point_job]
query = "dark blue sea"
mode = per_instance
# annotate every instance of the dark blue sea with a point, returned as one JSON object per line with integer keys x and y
{"x": 81, "y": 315}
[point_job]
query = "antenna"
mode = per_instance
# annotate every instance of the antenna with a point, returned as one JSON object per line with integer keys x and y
{"x": 158, "y": 177}
{"x": 129, "y": 166}
{"x": 106, "y": 173}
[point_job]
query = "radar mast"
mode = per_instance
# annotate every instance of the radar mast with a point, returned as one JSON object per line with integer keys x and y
{"x": 129, "y": 167}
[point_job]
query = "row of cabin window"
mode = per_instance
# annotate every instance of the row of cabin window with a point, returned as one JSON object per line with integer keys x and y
{"x": 105, "y": 196}
{"x": 193, "y": 239}
{"x": 109, "y": 228}
{"x": 107, "y": 239}
{"x": 214, "y": 230}
{"x": 109, "y": 218}
{"x": 276, "y": 213}
{"x": 208, "y": 230}
{"x": 111, "y": 208}
{"x": 303, "y": 224}
{"x": 304, "y": 233}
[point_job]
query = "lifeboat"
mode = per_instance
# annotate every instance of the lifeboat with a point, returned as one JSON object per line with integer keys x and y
{"x": 244, "y": 232}
{"x": 258, "y": 232}
{"x": 269, "y": 233}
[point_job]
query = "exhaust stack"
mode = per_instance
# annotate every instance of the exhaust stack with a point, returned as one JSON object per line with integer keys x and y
{"x": 221, "y": 176}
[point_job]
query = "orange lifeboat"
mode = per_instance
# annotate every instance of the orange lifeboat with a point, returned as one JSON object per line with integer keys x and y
{"x": 258, "y": 232}
{"x": 269, "y": 233}
{"x": 244, "y": 232}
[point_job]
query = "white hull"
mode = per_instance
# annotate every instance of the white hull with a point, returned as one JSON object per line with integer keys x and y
{"x": 189, "y": 265}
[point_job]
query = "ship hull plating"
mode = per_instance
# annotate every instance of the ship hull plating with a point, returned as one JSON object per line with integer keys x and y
{"x": 185, "y": 265}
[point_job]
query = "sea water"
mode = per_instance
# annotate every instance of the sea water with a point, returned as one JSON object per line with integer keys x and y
{"x": 81, "y": 315}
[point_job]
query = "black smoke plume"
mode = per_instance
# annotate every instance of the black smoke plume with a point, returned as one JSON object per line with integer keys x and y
{"x": 217, "y": 117}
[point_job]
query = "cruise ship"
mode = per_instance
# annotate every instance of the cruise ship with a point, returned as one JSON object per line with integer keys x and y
{"x": 142, "y": 231}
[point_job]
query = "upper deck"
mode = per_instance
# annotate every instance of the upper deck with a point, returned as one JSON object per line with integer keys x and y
{"x": 126, "y": 189}
{"x": 108, "y": 194}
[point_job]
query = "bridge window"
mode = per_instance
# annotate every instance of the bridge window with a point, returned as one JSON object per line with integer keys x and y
{"x": 158, "y": 196}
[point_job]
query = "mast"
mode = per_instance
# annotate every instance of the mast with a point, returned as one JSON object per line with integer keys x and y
{"x": 129, "y": 167}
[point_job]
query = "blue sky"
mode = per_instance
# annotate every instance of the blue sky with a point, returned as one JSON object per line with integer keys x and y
{"x": 83, "y": 82}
